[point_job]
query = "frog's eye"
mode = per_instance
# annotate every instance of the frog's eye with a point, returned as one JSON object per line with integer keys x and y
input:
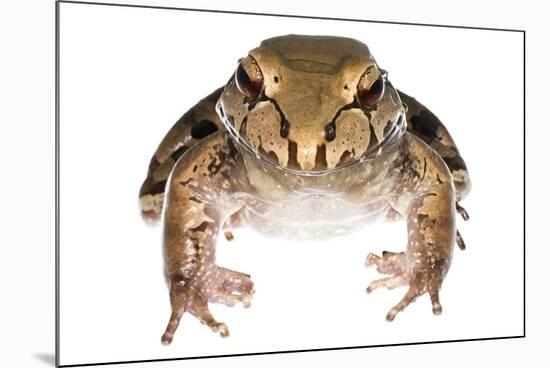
{"x": 370, "y": 88}
{"x": 249, "y": 78}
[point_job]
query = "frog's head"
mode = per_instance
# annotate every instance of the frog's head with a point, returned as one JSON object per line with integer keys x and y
{"x": 311, "y": 104}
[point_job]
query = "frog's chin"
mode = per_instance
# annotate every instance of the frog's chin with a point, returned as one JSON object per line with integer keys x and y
{"x": 393, "y": 136}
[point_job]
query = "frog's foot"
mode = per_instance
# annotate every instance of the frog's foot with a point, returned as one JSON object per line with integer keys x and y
{"x": 220, "y": 285}
{"x": 229, "y": 287}
{"x": 420, "y": 280}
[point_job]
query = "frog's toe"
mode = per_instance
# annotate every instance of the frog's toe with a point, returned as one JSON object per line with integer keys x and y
{"x": 388, "y": 282}
{"x": 372, "y": 259}
{"x": 205, "y": 317}
{"x": 228, "y": 235}
{"x": 460, "y": 241}
{"x": 171, "y": 328}
{"x": 436, "y": 306}
{"x": 409, "y": 297}
{"x": 233, "y": 222}
{"x": 390, "y": 263}
{"x": 462, "y": 211}
{"x": 422, "y": 282}
{"x": 198, "y": 307}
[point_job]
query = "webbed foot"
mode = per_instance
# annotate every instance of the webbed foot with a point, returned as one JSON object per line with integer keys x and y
{"x": 420, "y": 279}
{"x": 217, "y": 285}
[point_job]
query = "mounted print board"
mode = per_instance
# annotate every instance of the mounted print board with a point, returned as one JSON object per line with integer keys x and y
{"x": 126, "y": 75}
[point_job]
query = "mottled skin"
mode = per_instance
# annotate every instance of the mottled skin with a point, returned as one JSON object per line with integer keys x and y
{"x": 309, "y": 135}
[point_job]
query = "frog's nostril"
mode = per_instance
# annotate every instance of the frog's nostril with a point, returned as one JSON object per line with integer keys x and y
{"x": 330, "y": 131}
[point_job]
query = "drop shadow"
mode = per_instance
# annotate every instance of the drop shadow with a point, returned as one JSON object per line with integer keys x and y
{"x": 46, "y": 358}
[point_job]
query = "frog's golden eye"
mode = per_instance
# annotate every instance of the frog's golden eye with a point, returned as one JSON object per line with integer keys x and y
{"x": 370, "y": 88}
{"x": 249, "y": 78}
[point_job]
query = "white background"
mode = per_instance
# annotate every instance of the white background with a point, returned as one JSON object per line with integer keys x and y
{"x": 124, "y": 84}
{"x": 28, "y": 312}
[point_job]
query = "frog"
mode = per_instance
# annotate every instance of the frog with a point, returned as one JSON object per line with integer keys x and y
{"x": 308, "y": 134}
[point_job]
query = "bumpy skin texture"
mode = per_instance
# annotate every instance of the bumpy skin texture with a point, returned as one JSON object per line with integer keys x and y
{"x": 309, "y": 134}
{"x": 196, "y": 124}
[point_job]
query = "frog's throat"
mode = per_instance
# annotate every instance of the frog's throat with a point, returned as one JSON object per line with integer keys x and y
{"x": 393, "y": 136}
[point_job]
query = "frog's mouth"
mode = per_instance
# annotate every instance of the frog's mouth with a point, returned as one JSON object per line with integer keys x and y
{"x": 393, "y": 135}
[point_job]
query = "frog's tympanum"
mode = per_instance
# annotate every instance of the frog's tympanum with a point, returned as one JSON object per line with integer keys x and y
{"x": 307, "y": 137}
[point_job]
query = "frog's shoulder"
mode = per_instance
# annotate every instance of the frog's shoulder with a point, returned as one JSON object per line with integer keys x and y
{"x": 426, "y": 126}
{"x": 194, "y": 125}
{"x": 206, "y": 158}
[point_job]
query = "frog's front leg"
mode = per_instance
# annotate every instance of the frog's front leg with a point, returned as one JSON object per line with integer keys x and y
{"x": 199, "y": 200}
{"x": 430, "y": 216}
{"x": 422, "y": 123}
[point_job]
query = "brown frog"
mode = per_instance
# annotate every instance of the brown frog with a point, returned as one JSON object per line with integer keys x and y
{"x": 308, "y": 134}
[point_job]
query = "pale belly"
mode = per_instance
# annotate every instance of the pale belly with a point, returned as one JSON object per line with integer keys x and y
{"x": 311, "y": 216}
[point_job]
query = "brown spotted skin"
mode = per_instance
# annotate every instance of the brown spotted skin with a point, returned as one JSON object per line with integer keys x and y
{"x": 313, "y": 134}
{"x": 197, "y": 123}
{"x": 425, "y": 125}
